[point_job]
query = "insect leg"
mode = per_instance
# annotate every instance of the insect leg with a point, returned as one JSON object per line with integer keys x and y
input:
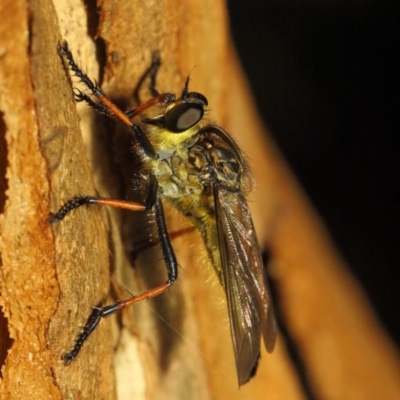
{"x": 113, "y": 110}
{"x": 154, "y": 68}
{"x": 98, "y": 313}
{"x": 76, "y": 202}
{"x": 151, "y": 72}
{"x": 99, "y": 107}
{"x": 105, "y": 105}
{"x": 163, "y": 98}
{"x": 89, "y": 200}
{"x": 157, "y": 98}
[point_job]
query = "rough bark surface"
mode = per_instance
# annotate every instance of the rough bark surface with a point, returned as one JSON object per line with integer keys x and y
{"x": 50, "y": 276}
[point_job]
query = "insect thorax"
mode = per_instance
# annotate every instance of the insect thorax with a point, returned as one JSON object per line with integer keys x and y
{"x": 189, "y": 171}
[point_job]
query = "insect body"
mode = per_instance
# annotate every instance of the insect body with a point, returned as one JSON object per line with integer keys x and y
{"x": 198, "y": 168}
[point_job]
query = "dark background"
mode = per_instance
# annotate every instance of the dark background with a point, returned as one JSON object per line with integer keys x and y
{"x": 325, "y": 75}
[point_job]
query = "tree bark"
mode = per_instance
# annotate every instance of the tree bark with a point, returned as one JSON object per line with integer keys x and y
{"x": 51, "y": 276}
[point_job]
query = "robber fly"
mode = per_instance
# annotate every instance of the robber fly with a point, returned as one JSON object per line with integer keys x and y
{"x": 198, "y": 168}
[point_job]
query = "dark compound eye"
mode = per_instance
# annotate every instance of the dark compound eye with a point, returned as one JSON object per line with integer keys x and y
{"x": 183, "y": 116}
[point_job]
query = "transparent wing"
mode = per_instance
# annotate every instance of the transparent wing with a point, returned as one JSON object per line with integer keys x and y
{"x": 246, "y": 288}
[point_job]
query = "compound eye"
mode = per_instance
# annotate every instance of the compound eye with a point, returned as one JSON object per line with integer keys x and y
{"x": 183, "y": 116}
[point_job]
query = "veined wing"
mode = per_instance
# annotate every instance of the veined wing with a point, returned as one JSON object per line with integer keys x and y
{"x": 249, "y": 303}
